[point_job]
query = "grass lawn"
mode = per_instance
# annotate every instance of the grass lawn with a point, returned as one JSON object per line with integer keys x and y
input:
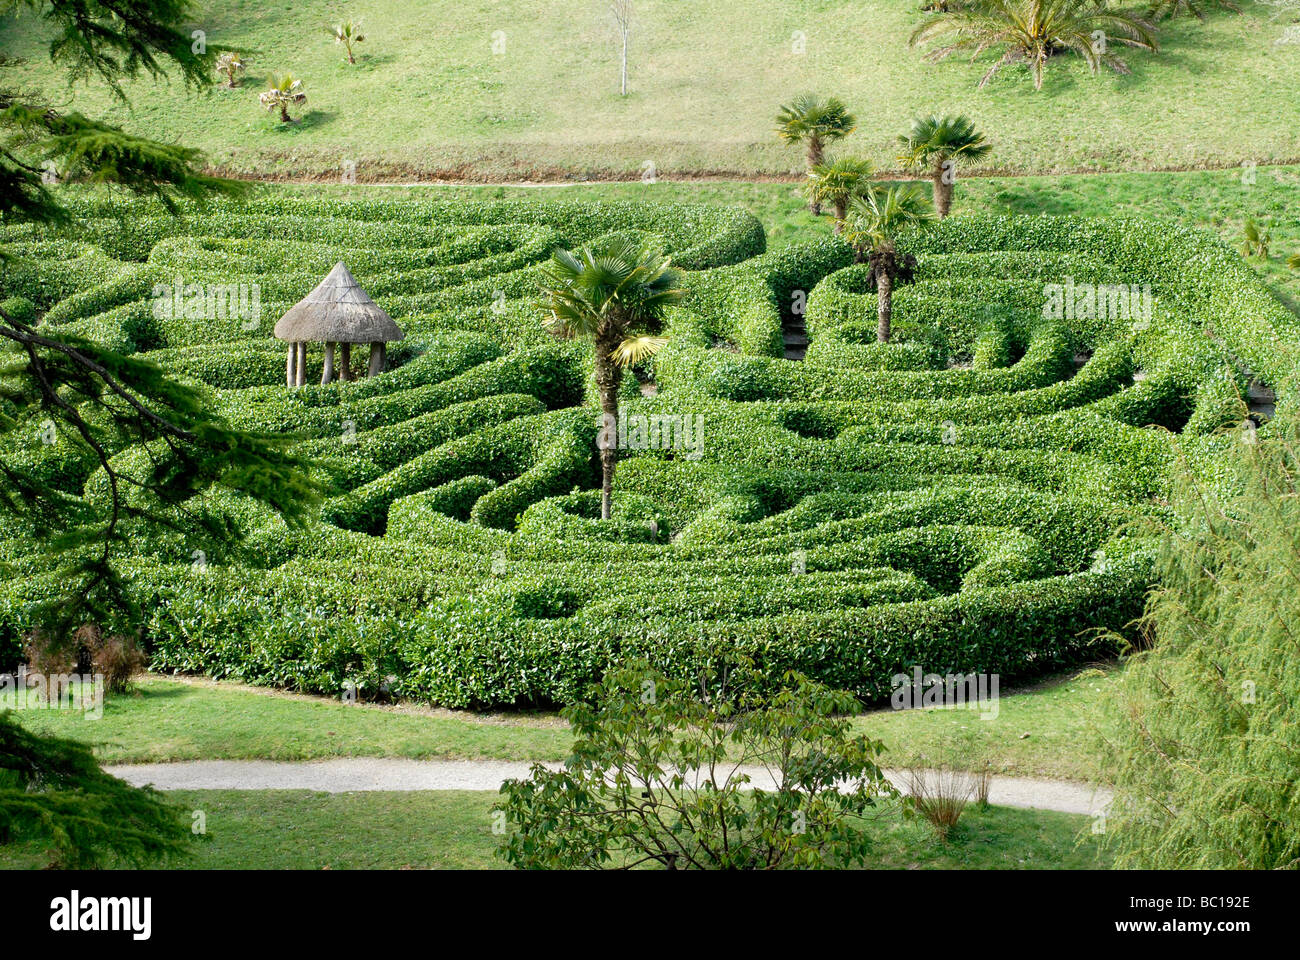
{"x": 291, "y": 829}
{"x": 168, "y": 719}
{"x": 431, "y": 95}
{"x": 1046, "y": 730}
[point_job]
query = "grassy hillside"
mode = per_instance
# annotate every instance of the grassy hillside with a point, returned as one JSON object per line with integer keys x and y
{"x": 429, "y": 97}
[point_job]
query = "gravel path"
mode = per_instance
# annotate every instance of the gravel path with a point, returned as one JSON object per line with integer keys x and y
{"x": 345, "y": 775}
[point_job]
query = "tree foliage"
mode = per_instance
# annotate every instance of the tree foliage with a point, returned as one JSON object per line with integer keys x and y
{"x": 834, "y": 184}
{"x": 937, "y": 143}
{"x": 814, "y": 121}
{"x": 283, "y": 91}
{"x": 614, "y": 294}
{"x": 52, "y": 790}
{"x": 60, "y": 389}
{"x": 661, "y": 775}
{"x": 1031, "y": 32}
{"x": 1202, "y": 743}
{"x": 875, "y": 222}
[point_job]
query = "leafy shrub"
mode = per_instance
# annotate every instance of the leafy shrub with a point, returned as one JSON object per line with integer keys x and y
{"x": 643, "y": 753}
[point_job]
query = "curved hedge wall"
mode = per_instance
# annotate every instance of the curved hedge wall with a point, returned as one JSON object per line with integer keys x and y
{"x": 970, "y": 497}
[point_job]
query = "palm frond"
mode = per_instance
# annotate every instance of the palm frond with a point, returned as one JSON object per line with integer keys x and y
{"x": 636, "y": 350}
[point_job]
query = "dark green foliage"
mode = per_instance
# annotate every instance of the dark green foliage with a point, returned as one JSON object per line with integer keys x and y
{"x": 962, "y": 498}
{"x": 53, "y": 791}
{"x": 652, "y": 781}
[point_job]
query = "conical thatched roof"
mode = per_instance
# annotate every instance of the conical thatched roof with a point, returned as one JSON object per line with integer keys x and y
{"x": 338, "y": 311}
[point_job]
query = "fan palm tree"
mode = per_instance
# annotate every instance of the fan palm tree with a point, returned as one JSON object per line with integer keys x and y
{"x": 228, "y": 64}
{"x": 347, "y": 33}
{"x": 1256, "y": 238}
{"x": 1033, "y": 31}
{"x": 939, "y": 143}
{"x": 835, "y": 183}
{"x": 876, "y": 219}
{"x": 810, "y": 119}
{"x": 284, "y": 91}
{"x": 613, "y": 293}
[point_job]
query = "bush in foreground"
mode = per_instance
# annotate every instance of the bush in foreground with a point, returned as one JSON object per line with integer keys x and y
{"x": 657, "y": 778}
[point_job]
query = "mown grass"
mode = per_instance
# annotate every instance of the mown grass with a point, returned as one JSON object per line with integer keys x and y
{"x": 168, "y": 720}
{"x": 429, "y": 96}
{"x": 299, "y": 830}
{"x": 1046, "y": 730}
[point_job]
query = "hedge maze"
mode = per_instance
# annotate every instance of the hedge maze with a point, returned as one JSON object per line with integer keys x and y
{"x": 976, "y": 496}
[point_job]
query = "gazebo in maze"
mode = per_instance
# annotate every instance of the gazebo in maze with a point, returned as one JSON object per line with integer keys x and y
{"x": 339, "y": 312}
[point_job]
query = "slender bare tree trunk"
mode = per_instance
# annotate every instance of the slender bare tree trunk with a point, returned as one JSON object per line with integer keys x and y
{"x": 623, "y": 81}
{"x": 885, "y": 303}
{"x": 608, "y": 377}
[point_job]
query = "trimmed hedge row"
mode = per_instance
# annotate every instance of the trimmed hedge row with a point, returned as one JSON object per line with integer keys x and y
{"x": 868, "y": 510}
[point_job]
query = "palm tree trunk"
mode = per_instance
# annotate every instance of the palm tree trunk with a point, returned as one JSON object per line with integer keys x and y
{"x": 814, "y": 158}
{"x": 841, "y": 208}
{"x": 942, "y": 192}
{"x": 284, "y": 111}
{"x": 608, "y": 377}
{"x": 885, "y": 303}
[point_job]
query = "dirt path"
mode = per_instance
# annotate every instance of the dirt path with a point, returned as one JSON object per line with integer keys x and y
{"x": 345, "y": 775}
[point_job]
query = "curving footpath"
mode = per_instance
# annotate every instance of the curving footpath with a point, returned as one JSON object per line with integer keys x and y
{"x": 348, "y": 774}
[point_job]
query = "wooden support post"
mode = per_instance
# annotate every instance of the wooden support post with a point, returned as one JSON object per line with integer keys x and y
{"x": 345, "y": 362}
{"x": 327, "y": 372}
{"x": 290, "y": 368}
{"x": 300, "y": 375}
{"x": 377, "y": 358}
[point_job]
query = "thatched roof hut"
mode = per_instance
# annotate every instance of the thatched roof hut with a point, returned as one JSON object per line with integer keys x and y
{"x": 337, "y": 311}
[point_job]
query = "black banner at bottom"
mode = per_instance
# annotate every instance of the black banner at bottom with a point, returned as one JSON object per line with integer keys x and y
{"x": 369, "y": 909}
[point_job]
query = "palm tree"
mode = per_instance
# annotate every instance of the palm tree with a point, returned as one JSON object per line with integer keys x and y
{"x": 939, "y": 143}
{"x": 613, "y": 293}
{"x": 284, "y": 91}
{"x": 1033, "y": 31}
{"x": 1256, "y": 238}
{"x": 835, "y": 183}
{"x": 875, "y": 221}
{"x": 228, "y": 64}
{"x": 347, "y": 33}
{"x": 812, "y": 120}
